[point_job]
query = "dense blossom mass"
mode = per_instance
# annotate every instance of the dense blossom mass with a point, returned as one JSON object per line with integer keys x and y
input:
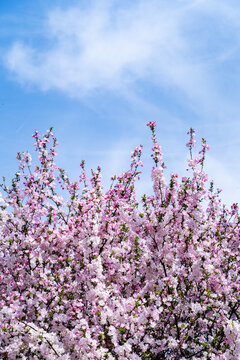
{"x": 95, "y": 275}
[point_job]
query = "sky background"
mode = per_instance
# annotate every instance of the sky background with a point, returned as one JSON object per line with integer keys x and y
{"x": 98, "y": 71}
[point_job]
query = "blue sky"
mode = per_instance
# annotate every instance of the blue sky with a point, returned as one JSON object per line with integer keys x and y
{"x": 98, "y": 71}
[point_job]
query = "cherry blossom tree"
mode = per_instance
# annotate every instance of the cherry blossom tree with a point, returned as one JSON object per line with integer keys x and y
{"x": 91, "y": 274}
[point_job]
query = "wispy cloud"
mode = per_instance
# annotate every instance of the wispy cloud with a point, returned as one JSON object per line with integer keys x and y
{"x": 111, "y": 48}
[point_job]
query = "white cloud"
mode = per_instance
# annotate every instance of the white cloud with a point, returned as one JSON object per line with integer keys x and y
{"x": 110, "y": 48}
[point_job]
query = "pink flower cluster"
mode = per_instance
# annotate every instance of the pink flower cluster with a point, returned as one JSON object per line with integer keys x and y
{"x": 88, "y": 274}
